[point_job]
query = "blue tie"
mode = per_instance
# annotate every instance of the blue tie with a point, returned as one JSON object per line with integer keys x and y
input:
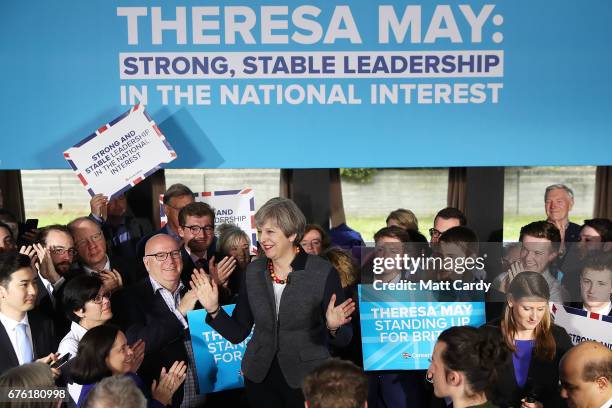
{"x": 23, "y": 342}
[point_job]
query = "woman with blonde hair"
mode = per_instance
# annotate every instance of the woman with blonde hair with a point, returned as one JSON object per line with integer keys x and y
{"x": 530, "y": 378}
{"x": 403, "y": 218}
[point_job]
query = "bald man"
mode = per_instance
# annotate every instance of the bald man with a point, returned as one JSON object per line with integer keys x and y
{"x": 157, "y": 314}
{"x": 585, "y": 372}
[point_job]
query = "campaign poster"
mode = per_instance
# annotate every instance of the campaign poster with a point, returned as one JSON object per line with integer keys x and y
{"x": 582, "y": 325}
{"x": 217, "y": 360}
{"x": 401, "y": 335}
{"x": 120, "y": 154}
{"x": 231, "y": 207}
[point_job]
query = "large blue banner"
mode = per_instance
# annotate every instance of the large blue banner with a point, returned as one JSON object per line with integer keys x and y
{"x": 401, "y": 335}
{"x": 217, "y": 360}
{"x": 238, "y": 84}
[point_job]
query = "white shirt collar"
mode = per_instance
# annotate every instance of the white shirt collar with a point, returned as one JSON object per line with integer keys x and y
{"x": 607, "y": 404}
{"x": 91, "y": 271}
{"x": 10, "y": 324}
{"x": 78, "y": 330}
{"x": 604, "y": 310}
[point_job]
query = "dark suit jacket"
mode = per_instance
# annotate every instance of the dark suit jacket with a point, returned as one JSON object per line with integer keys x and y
{"x": 297, "y": 337}
{"x": 146, "y": 316}
{"x": 542, "y": 376}
{"x": 43, "y": 340}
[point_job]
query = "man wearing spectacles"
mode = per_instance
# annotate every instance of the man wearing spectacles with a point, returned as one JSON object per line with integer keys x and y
{"x": 197, "y": 230}
{"x": 90, "y": 245}
{"x": 446, "y": 219}
{"x": 156, "y": 312}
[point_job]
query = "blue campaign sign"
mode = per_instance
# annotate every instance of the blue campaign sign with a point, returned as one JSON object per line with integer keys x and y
{"x": 401, "y": 335}
{"x": 217, "y": 360}
{"x": 292, "y": 84}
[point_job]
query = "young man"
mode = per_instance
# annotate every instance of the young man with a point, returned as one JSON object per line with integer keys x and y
{"x": 25, "y": 335}
{"x": 596, "y": 284}
{"x": 540, "y": 242}
{"x": 445, "y": 219}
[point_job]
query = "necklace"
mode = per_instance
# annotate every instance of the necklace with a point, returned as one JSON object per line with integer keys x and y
{"x": 273, "y": 275}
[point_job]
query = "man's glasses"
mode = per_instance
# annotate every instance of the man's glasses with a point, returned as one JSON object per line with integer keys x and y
{"x": 162, "y": 256}
{"x": 62, "y": 251}
{"x": 434, "y": 233}
{"x": 94, "y": 238}
{"x": 100, "y": 298}
{"x": 195, "y": 229}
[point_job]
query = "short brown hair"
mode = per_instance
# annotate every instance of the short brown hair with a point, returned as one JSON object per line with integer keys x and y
{"x": 176, "y": 190}
{"x": 41, "y": 237}
{"x": 196, "y": 209}
{"x": 392, "y": 232}
{"x": 336, "y": 384}
{"x": 542, "y": 229}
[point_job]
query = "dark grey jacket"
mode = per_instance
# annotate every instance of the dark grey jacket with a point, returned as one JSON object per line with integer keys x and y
{"x": 298, "y": 338}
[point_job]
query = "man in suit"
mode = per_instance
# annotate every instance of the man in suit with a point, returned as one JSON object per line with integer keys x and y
{"x": 596, "y": 284}
{"x": 116, "y": 272}
{"x": 156, "y": 312}
{"x": 176, "y": 197}
{"x": 24, "y": 334}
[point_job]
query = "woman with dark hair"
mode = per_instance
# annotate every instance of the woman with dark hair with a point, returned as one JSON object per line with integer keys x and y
{"x": 315, "y": 239}
{"x": 531, "y": 378}
{"x": 463, "y": 366}
{"x": 86, "y": 305}
{"x": 103, "y": 351}
{"x": 295, "y": 302}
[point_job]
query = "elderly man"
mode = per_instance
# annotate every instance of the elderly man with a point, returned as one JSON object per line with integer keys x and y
{"x": 156, "y": 312}
{"x": 90, "y": 244}
{"x": 445, "y": 219}
{"x": 585, "y": 372}
{"x": 558, "y": 201}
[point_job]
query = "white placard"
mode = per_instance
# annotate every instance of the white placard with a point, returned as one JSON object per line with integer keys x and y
{"x": 120, "y": 154}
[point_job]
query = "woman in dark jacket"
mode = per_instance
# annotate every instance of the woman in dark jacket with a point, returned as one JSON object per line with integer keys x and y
{"x": 530, "y": 379}
{"x": 295, "y": 302}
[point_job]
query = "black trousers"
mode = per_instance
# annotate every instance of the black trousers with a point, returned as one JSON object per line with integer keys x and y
{"x": 273, "y": 391}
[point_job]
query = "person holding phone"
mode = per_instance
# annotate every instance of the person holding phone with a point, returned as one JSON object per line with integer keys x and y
{"x": 530, "y": 378}
{"x": 25, "y": 334}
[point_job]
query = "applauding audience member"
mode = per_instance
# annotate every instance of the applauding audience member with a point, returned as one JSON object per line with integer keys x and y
{"x": 155, "y": 311}
{"x": 116, "y": 272}
{"x": 104, "y": 351}
{"x": 540, "y": 246}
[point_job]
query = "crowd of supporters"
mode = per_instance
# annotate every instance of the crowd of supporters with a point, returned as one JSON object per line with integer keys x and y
{"x": 110, "y": 295}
